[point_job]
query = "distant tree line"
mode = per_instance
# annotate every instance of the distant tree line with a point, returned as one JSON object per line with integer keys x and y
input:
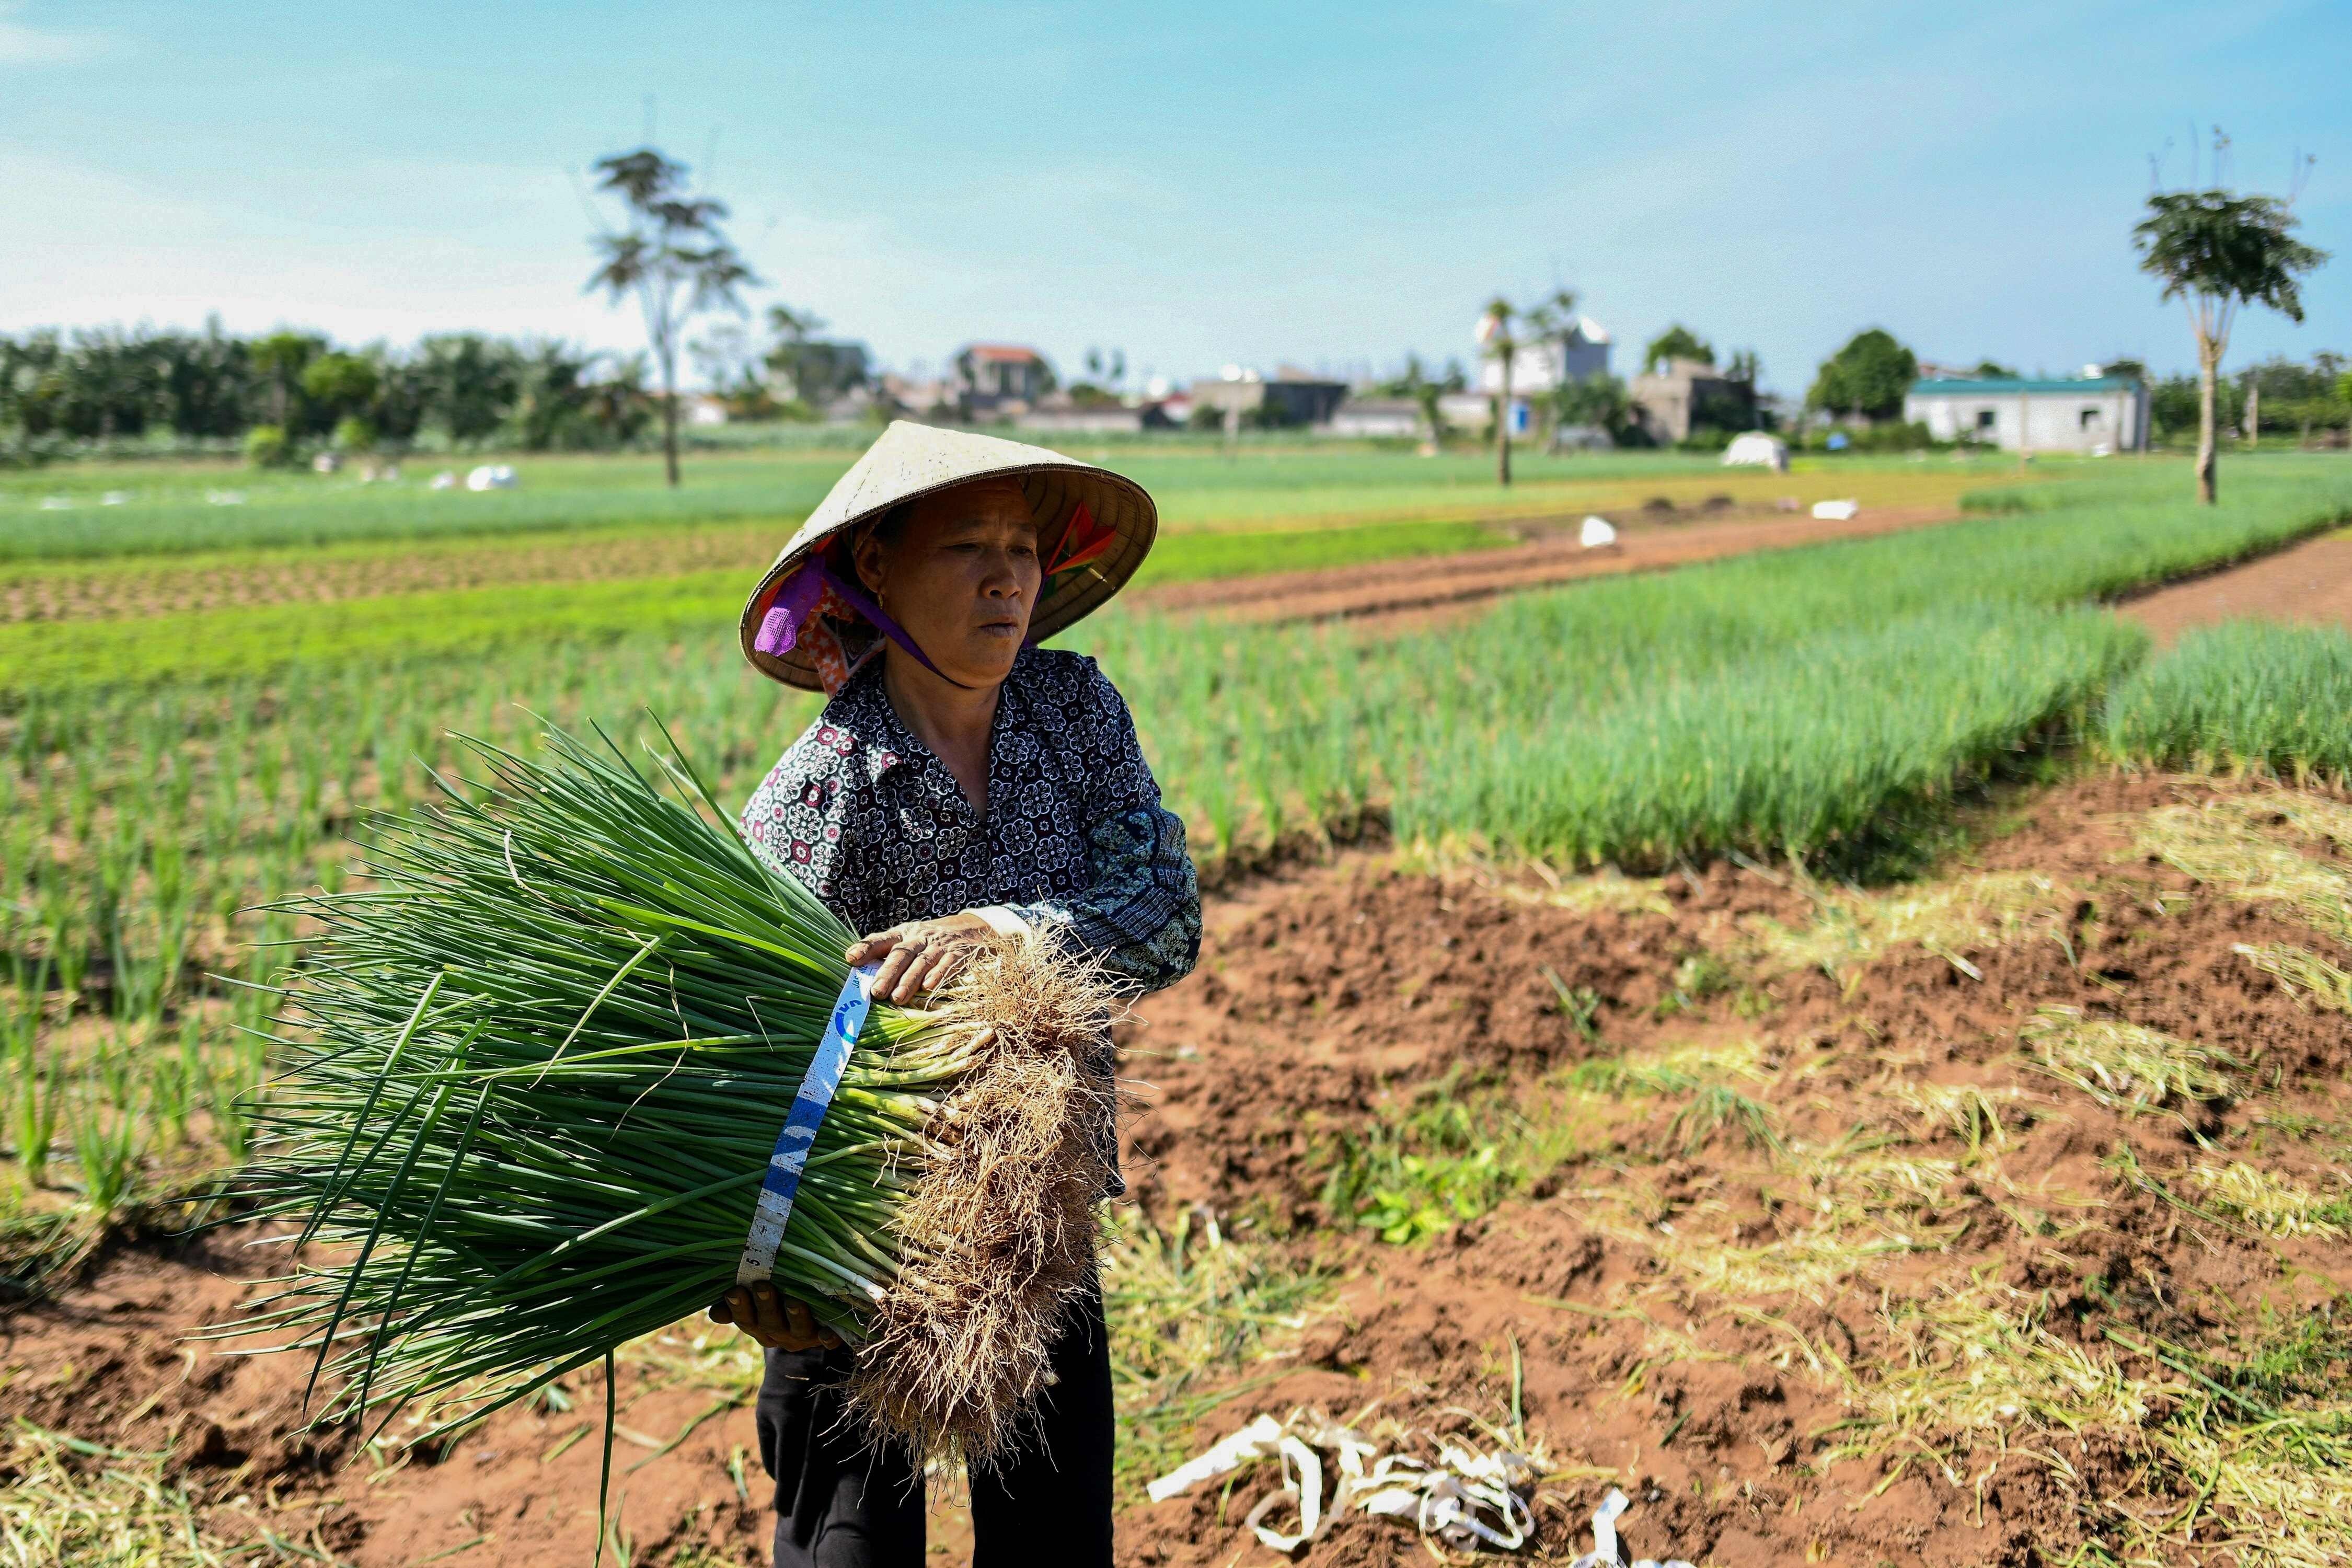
{"x": 2292, "y": 398}
{"x": 111, "y": 383}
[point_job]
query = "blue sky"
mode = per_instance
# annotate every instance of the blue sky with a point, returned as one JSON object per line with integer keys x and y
{"x": 1329, "y": 184}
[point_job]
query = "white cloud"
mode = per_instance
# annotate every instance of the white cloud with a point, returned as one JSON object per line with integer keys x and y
{"x": 23, "y": 43}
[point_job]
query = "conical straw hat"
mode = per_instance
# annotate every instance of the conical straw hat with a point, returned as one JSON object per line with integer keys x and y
{"x": 912, "y": 461}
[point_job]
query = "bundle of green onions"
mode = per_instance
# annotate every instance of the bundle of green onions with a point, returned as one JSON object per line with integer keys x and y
{"x": 538, "y": 1073}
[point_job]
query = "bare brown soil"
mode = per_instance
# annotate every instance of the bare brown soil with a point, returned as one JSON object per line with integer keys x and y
{"x": 1434, "y": 585}
{"x": 111, "y": 1364}
{"x": 1337, "y": 997}
{"x": 115, "y": 591}
{"x": 2310, "y": 583}
{"x": 1326, "y": 1001}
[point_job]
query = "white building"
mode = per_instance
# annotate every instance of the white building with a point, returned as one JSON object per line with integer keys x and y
{"x": 2107, "y": 412}
{"x": 1538, "y": 368}
{"x": 1377, "y": 416}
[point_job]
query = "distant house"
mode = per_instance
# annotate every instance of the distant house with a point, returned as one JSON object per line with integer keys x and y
{"x": 922, "y": 399}
{"x": 997, "y": 381}
{"x": 1468, "y": 411}
{"x": 703, "y": 408}
{"x": 1686, "y": 394}
{"x": 1536, "y": 368}
{"x": 1058, "y": 414}
{"x": 2020, "y": 414}
{"x": 1293, "y": 397}
{"x": 1377, "y": 416}
{"x": 1540, "y": 369}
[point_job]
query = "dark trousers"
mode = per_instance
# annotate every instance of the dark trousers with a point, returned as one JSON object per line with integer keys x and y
{"x": 844, "y": 1504}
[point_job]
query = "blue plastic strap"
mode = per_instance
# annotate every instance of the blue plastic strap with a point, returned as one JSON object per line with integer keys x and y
{"x": 798, "y": 1135}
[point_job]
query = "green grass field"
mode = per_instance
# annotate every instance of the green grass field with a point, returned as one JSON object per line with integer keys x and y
{"x": 2243, "y": 696}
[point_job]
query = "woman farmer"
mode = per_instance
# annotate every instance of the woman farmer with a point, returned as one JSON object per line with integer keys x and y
{"x": 961, "y": 783}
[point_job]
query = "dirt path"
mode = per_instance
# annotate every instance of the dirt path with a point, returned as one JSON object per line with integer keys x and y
{"x": 2310, "y": 583}
{"x": 1417, "y": 588}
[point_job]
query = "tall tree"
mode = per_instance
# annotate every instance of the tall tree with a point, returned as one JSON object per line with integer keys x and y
{"x": 1502, "y": 330}
{"x": 2217, "y": 250}
{"x": 1676, "y": 342}
{"x": 467, "y": 383}
{"x": 341, "y": 383}
{"x": 672, "y": 254}
{"x": 1498, "y": 335}
{"x": 1868, "y": 376}
{"x": 281, "y": 357}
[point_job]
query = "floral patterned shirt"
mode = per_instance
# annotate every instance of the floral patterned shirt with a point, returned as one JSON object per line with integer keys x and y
{"x": 1074, "y": 843}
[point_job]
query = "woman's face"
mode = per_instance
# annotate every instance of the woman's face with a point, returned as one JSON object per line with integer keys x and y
{"x": 961, "y": 577}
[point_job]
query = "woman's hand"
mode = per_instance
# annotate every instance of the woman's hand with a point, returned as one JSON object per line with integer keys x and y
{"x": 774, "y": 1320}
{"x": 920, "y": 955}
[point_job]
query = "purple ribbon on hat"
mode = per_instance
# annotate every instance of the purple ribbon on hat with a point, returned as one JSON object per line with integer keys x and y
{"x": 780, "y": 628}
{"x": 801, "y": 596}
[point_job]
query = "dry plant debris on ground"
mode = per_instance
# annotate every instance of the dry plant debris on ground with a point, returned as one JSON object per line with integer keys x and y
{"x": 2004, "y": 1236}
{"x": 1994, "y": 1218}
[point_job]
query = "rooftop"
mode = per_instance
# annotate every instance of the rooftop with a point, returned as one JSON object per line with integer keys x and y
{"x": 1013, "y": 353}
{"x": 2011, "y": 386}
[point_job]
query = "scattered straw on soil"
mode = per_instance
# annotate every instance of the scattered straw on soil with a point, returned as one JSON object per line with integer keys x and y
{"x": 2227, "y": 842}
{"x": 2123, "y": 1066}
{"x": 2306, "y": 974}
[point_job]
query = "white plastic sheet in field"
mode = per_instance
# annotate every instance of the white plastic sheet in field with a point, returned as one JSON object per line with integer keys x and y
{"x": 1836, "y": 510}
{"x": 1756, "y": 449}
{"x": 1604, "y": 1539}
{"x": 1224, "y": 1457}
{"x": 1462, "y": 1499}
{"x": 1598, "y": 533}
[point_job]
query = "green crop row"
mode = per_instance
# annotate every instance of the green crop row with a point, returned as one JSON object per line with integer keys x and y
{"x": 2244, "y": 696}
{"x": 1782, "y": 701}
{"x": 252, "y": 642}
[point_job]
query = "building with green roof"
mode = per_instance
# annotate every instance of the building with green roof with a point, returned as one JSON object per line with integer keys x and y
{"x": 2090, "y": 414}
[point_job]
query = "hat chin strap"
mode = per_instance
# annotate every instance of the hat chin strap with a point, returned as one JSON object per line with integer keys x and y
{"x": 855, "y": 598}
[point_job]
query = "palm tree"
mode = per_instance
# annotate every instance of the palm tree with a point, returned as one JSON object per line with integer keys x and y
{"x": 2217, "y": 250}
{"x": 671, "y": 253}
{"x": 1495, "y": 333}
{"x": 1499, "y": 330}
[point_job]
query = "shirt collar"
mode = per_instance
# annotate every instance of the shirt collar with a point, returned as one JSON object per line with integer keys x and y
{"x": 879, "y": 739}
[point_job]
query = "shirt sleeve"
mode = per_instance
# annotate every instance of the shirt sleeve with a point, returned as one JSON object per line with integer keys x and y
{"x": 797, "y": 823}
{"x": 1141, "y": 915}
